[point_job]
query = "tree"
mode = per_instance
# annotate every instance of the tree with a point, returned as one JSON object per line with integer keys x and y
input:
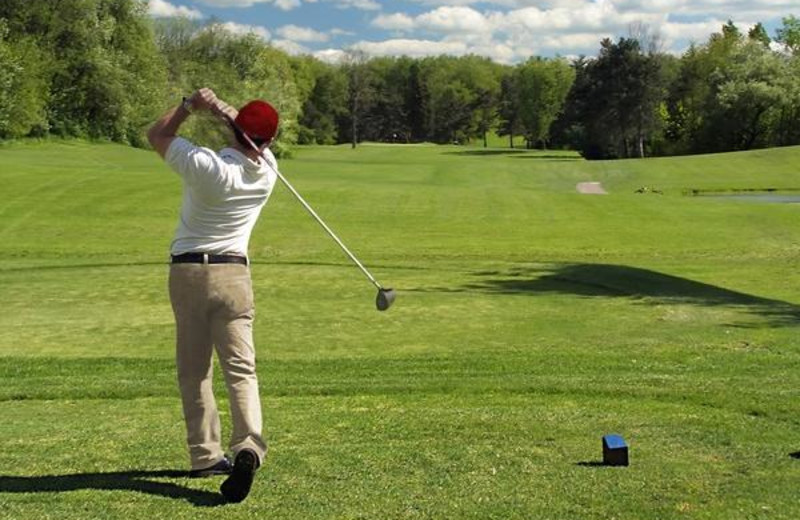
{"x": 749, "y": 92}
{"x": 326, "y": 103}
{"x": 789, "y": 34}
{"x": 458, "y": 97}
{"x": 693, "y": 113}
{"x": 23, "y": 87}
{"x": 543, "y": 85}
{"x": 389, "y": 118}
{"x": 733, "y": 93}
{"x": 93, "y": 62}
{"x": 509, "y": 107}
{"x": 620, "y": 96}
{"x": 447, "y": 101}
{"x": 482, "y": 77}
{"x": 359, "y": 89}
{"x": 758, "y": 33}
{"x": 786, "y": 130}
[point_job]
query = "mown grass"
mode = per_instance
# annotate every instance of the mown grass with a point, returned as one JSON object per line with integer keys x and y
{"x": 530, "y": 321}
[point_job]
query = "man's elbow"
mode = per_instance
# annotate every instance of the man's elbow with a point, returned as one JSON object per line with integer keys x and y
{"x": 152, "y": 135}
{"x": 159, "y": 140}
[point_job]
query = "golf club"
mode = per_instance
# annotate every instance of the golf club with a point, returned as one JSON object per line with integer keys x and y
{"x": 385, "y": 296}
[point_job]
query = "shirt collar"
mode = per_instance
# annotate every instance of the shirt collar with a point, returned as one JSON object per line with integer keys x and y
{"x": 249, "y": 165}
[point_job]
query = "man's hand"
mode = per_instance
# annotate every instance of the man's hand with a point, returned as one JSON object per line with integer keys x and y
{"x": 203, "y": 99}
{"x": 206, "y": 99}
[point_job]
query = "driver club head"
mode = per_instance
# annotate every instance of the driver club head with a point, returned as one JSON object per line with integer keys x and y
{"x": 385, "y": 299}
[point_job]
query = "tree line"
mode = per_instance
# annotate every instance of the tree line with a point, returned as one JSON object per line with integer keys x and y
{"x": 103, "y": 69}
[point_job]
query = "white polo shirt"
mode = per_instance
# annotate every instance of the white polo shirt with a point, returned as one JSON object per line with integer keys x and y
{"x": 223, "y": 194}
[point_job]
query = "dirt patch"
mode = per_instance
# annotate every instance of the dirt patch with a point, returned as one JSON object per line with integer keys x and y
{"x": 591, "y": 188}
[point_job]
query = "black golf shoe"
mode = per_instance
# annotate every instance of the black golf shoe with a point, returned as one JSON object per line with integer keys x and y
{"x": 237, "y": 486}
{"x": 223, "y": 467}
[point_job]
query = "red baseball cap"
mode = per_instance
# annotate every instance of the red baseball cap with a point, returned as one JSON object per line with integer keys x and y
{"x": 259, "y": 120}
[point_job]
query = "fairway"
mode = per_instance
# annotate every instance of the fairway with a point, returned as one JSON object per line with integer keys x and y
{"x": 530, "y": 321}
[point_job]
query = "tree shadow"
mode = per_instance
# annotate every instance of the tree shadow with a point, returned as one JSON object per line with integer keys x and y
{"x": 97, "y": 265}
{"x": 620, "y": 281}
{"x": 551, "y": 158}
{"x": 518, "y": 154}
{"x": 139, "y": 481}
{"x": 467, "y": 153}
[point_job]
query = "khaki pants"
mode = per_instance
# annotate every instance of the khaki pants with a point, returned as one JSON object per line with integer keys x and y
{"x": 213, "y": 306}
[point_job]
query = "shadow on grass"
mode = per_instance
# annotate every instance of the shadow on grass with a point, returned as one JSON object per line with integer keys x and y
{"x": 139, "y": 481}
{"x": 795, "y": 455}
{"x": 480, "y": 153}
{"x": 620, "y": 281}
{"x": 551, "y": 158}
{"x": 61, "y": 267}
{"x": 593, "y": 464}
{"x": 518, "y": 154}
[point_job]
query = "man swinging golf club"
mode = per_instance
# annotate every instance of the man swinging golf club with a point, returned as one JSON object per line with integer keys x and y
{"x": 209, "y": 280}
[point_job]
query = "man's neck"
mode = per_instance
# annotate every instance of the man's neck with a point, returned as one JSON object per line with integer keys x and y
{"x": 247, "y": 152}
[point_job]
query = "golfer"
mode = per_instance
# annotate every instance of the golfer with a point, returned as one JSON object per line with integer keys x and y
{"x": 209, "y": 282}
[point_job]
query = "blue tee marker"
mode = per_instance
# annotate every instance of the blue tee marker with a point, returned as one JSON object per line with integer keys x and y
{"x": 615, "y": 451}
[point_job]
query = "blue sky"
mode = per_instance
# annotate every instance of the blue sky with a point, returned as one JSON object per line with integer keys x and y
{"x": 507, "y": 31}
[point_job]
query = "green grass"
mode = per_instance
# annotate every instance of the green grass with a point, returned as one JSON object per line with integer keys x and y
{"x": 530, "y": 321}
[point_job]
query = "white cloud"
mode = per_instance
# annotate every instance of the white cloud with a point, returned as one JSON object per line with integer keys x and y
{"x": 287, "y": 5}
{"x": 233, "y": 3}
{"x": 291, "y": 47}
{"x": 412, "y": 48}
{"x": 238, "y": 28}
{"x": 454, "y": 20}
{"x": 691, "y": 31}
{"x": 284, "y": 5}
{"x": 395, "y": 22}
{"x": 725, "y": 9}
{"x": 364, "y": 5}
{"x": 330, "y": 55}
{"x": 302, "y": 34}
{"x": 162, "y": 8}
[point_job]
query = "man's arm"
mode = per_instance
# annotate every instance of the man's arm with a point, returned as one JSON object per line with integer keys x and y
{"x": 165, "y": 130}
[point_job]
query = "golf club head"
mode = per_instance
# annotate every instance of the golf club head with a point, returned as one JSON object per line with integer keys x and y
{"x": 385, "y": 299}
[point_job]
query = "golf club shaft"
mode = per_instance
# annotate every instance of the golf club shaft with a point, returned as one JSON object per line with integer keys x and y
{"x": 306, "y": 205}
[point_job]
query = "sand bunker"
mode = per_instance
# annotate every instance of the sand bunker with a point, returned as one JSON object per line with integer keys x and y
{"x": 591, "y": 188}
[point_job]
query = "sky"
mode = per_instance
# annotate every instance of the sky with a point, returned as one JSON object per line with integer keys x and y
{"x": 508, "y": 31}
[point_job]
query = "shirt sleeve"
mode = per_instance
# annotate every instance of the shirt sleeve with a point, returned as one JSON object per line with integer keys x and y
{"x": 196, "y": 165}
{"x": 269, "y": 158}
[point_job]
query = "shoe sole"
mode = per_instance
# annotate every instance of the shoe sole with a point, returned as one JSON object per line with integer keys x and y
{"x": 208, "y": 473}
{"x": 237, "y": 486}
{"x": 213, "y": 470}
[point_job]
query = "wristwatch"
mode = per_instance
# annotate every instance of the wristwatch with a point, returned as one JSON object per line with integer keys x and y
{"x": 187, "y": 105}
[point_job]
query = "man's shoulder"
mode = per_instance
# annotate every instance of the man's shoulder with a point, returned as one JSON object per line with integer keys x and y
{"x": 183, "y": 146}
{"x": 194, "y": 163}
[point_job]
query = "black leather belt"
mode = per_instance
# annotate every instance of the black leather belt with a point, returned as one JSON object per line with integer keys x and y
{"x": 205, "y": 258}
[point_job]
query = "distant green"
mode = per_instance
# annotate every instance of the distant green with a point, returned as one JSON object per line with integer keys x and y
{"x": 530, "y": 321}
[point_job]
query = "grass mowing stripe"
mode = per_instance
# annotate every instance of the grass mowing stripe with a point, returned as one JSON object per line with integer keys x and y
{"x": 75, "y": 379}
